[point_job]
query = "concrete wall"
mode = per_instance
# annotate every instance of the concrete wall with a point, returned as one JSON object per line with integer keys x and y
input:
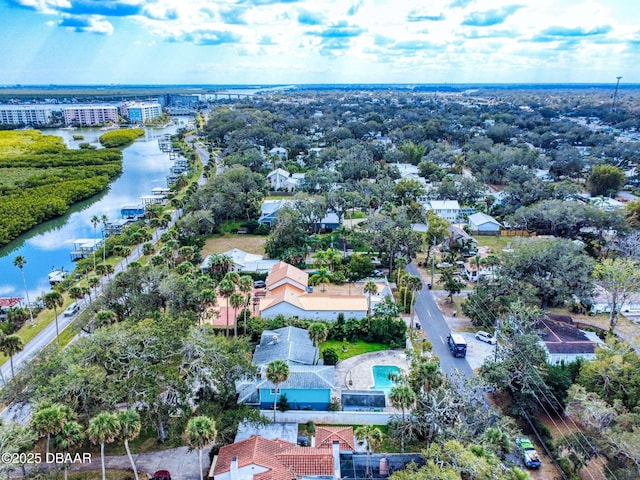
{"x": 332, "y": 418}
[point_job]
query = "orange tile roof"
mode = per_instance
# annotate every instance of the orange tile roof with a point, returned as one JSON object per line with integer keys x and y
{"x": 326, "y": 435}
{"x": 256, "y": 451}
{"x": 308, "y": 461}
{"x": 282, "y": 270}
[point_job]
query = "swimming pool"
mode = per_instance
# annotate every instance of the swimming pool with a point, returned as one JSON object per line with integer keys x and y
{"x": 381, "y": 377}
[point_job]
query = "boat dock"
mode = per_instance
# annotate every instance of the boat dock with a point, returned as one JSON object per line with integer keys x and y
{"x": 83, "y": 247}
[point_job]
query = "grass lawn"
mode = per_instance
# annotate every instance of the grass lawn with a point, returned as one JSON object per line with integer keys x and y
{"x": 224, "y": 243}
{"x": 353, "y": 348}
{"x": 497, "y": 244}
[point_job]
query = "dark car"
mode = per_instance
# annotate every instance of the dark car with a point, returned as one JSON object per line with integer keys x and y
{"x": 161, "y": 475}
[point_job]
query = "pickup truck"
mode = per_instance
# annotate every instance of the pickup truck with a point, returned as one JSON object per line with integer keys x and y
{"x": 530, "y": 456}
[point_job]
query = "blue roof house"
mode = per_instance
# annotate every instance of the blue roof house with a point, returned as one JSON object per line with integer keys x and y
{"x": 308, "y": 387}
{"x": 483, "y": 223}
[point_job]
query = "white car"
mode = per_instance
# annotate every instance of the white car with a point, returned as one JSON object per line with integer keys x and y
{"x": 71, "y": 310}
{"x": 486, "y": 337}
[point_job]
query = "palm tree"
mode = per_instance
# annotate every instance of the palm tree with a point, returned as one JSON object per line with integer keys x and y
{"x": 236, "y": 300}
{"x": 200, "y": 432}
{"x": 225, "y": 289}
{"x": 20, "y": 262}
{"x": 93, "y": 283}
{"x": 10, "y": 345}
{"x": 401, "y": 262}
{"x": 103, "y": 428}
{"x": 48, "y": 420}
{"x": 129, "y": 422}
{"x": 104, "y": 220}
{"x": 402, "y": 397}
{"x": 370, "y": 436}
{"x": 76, "y": 292}
{"x": 95, "y": 221}
{"x": 370, "y": 288}
{"x": 67, "y": 439}
{"x": 54, "y": 300}
{"x": 245, "y": 285}
{"x": 277, "y": 372}
{"x": 318, "y": 333}
{"x": 323, "y": 277}
{"x": 413, "y": 283}
{"x": 208, "y": 298}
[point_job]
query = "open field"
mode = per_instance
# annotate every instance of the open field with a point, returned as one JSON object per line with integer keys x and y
{"x": 224, "y": 243}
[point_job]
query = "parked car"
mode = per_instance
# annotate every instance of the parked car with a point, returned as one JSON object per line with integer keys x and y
{"x": 71, "y": 310}
{"x": 161, "y": 475}
{"x": 457, "y": 345}
{"x": 378, "y": 273}
{"x": 530, "y": 456}
{"x": 486, "y": 337}
{"x": 259, "y": 284}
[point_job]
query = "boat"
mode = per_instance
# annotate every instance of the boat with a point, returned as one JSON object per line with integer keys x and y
{"x": 57, "y": 276}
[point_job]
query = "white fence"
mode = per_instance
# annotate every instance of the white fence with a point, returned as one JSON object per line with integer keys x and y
{"x": 332, "y": 418}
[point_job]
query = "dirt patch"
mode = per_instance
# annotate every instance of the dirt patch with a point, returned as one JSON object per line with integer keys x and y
{"x": 224, "y": 243}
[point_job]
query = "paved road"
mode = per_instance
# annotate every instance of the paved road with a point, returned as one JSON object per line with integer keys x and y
{"x": 436, "y": 329}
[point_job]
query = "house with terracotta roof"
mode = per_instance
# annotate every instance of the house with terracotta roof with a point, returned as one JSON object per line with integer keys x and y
{"x": 7, "y": 303}
{"x": 288, "y": 294}
{"x": 564, "y": 341}
{"x": 257, "y": 458}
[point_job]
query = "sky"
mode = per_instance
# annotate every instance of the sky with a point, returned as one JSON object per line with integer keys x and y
{"x": 259, "y": 42}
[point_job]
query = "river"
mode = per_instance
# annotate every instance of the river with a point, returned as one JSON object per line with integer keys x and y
{"x": 48, "y": 246}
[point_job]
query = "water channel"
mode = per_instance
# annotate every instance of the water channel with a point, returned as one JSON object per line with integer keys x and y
{"x": 48, "y": 246}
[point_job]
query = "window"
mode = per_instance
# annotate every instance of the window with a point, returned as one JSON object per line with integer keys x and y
{"x": 275, "y": 391}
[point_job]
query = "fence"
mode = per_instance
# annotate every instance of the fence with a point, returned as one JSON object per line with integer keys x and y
{"x": 331, "y": 418}
{"x": 517, "y": 233}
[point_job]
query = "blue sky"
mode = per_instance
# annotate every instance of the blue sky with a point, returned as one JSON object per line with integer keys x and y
{"x": 318, "y": 41}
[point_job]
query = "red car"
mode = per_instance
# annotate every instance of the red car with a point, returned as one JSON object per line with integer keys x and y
{"x": 161, "y": 475}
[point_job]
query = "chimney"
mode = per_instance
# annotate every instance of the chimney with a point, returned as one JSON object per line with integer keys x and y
{"x": 233, "y": 473}
{"x": 336, "y": 459}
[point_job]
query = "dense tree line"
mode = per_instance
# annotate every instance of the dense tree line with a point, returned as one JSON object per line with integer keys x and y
{"x": 44, "y": 179}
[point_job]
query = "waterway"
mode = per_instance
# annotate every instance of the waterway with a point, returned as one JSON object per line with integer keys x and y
{"x": 48, "y": 246}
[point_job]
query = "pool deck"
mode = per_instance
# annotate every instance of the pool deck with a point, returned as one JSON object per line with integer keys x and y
{"x": 356, "y": 373}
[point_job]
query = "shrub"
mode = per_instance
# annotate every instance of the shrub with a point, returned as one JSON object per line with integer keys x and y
{"x": 283, "y": 403}
{"x": 330, "y": 356}
{"x": 334, "y": 405}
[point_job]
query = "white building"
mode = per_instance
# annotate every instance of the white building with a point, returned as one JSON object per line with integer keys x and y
{"x": 447, "y": 209}
{"x": 90, "y": 114}
{"x": 140, "y": 112}
{"x": 26, "y": 114}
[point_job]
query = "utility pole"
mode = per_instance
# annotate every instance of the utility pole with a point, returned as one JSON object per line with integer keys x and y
{"x": 433, "y": 260}
{"x": 615, "y": 95}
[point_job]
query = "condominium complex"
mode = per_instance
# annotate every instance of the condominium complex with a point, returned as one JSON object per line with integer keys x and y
{"x": 90, "y": 114}
{"x": 76, "y": 114}
{"x": 140, "y": 112}
{"x": 26, "y": 114}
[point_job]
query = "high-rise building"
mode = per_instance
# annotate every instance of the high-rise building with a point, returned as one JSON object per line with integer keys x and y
{"x": 140, "y": 112}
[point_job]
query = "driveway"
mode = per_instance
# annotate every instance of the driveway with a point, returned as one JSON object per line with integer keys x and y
{"x": 182, "y": 464}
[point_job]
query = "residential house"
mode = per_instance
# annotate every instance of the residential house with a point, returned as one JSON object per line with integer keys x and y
{"x": 279, "y": 152}
{"x": 265, "y": 459}
{"x": 458, "y": 236}
{"x": 308, "y": 387}
{"x": 288, "y": 294}
{"x": 280, "y": 179}
{"x": 483, "y": 224}
{"x": 7, "y": 303}
{"x": 601, "y": 302}
{"x": 270, "y": 208}
{"x": 447, "y": 209}
{"x": 564, "y": 342}
{"x": 269, "y": 211}
{"x": 243, "y": 262}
